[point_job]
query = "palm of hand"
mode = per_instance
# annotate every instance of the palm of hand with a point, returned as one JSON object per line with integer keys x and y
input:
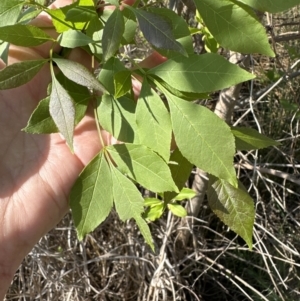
{"x": 36, "y": 171}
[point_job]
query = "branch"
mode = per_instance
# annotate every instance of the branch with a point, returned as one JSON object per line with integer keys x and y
{"x": 277, "y": 173}
{"x": 287, "y": 36}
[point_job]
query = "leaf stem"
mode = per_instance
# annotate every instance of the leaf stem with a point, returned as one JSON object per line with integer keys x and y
{"x": 98, "y": 123}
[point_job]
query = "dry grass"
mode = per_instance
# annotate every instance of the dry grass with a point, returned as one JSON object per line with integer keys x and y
{"x": 114, "y": 263}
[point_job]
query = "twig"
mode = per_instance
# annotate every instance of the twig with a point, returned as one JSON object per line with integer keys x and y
{"x": 292, "y": 178}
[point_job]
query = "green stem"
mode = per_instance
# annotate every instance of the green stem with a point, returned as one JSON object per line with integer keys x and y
{"x": 98, "y": 124}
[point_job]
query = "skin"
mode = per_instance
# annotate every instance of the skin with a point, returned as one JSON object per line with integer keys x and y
{"x": 38, "y": 171}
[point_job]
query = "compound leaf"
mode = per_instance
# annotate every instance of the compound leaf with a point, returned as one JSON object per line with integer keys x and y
{"x": 200, "y": 73}
{"x": 112, "y": 34}
{"x": 233, "y": 206}
{"x": 203, "y": 138}
{"x": 78, "y": 74}
{"x": 24, "y": 35}
{"x": 20, "y": 73}
{"x": 153, "y": 122}
{"x": 234, "y": 26}
{"x": 91, "y": 197}
{"x": 62, "y": 110}
{"x": 248, "y": 139}
{"x": 143, "y": 165}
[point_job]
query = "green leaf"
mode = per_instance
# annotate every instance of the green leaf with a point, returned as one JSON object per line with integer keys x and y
{"x": 41, "y": 2}
{"x": 152, "y": 202}
{"x": 211, "y": 45}
{"x": 233, "y": 206}
{"x": 157, "y": 30}
{"x": 272, "y": 6}
{"x": 91, "y": 197}
{"x": 40, "y": 121}
{"x": 234, "y": 26}
{"x": 154, "y": 212}
{"x": 129, "y": 202}
{"x": 180, "y": 31}
{"x": 200, "y": 73}
{"x": 180, "y": 169}
{"x": 122, "y": 82}
{"x": 130, "y": 27}
{"x": 108, "y": 71}
{"x": 79, "y": 94}
{"x": 20, "y": 73}
{"x": 185, "y": 193}
{"x": 143, "y": 165}
{"x": 117, "y": 116}
{"x": 78, "y": 74}
{"x": 24, "y": 35}
{"x": 203, "y": 138}
{"x": 94, "y": 26}
{"x": 73, "y": 39}
{"x": 29, "y": 14}
{"x": 249, "y": 139}
{"x": 86, "y": 3}
{"x": 114, "y": 2}
{"x": 145, "y": 231}
{"x": 112, "y": 34}
{"x": 153, "y": 122}
{"x": 177, "y": 209}
{"x": 81, "y": 14}
{"x": 59, "y": 18}
{"x": 4, "y": 46}
{"x": 183, "y": 95}
{"x": 62, "y": 110}
{"x": 10, "y": 11}
{"x": 96, "y": 48}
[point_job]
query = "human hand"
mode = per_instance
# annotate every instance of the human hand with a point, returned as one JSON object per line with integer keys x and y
{"x": 37, "y": 171}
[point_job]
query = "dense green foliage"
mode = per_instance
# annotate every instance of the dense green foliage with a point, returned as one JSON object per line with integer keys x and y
{"x": 145, "y": 126}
